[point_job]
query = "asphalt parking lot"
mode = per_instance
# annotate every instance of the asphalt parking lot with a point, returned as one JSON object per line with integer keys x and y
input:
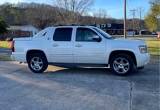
{"x": 78, "y": 88}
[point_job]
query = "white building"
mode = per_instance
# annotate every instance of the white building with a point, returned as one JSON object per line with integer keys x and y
{"x": 29, "y": 30}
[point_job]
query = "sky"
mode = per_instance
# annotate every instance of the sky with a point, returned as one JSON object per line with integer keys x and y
{"x": 114, "y": 8}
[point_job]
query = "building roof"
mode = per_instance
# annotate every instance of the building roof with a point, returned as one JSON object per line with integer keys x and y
{"x": 23, "y": 28}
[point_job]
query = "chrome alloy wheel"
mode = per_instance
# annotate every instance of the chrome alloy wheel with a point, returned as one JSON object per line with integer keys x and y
{"x": 121, "y": 65}
{"x": 36, "y": 63}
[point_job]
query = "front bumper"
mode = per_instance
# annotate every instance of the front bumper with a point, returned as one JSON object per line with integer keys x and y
{"x": 142, "y": 59}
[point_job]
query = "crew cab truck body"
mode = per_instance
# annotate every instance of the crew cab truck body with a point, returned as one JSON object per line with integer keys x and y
{"x": 80, "y": 45}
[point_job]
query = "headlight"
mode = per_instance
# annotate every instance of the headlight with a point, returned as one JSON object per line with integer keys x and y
{"x": 143, "y": 49}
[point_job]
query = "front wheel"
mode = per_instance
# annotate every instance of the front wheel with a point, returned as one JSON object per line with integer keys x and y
{"x": 122, "y": 64}
{"x": 37, "y": 63}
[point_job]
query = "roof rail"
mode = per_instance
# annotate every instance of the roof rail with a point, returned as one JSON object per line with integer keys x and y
{"x": 72, "y": 25}
{"x": 66, "y": 25}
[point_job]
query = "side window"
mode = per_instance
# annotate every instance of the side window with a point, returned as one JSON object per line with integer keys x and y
{"x": 62, "y": 34}
{"x": 85, "y": 34}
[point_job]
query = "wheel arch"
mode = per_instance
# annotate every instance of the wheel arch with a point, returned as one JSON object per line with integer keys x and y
{"x": 127, "y": 52}
{"x": 34, "y": 51}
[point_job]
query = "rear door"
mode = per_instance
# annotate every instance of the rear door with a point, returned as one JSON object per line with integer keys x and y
{"x": 62, "y": 45}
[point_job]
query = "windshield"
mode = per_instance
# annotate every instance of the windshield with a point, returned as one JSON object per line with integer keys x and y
{"x": 103, "y": 33}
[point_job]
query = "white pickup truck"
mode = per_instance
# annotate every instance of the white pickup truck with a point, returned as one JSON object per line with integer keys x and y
{"x": 80, "y": 45}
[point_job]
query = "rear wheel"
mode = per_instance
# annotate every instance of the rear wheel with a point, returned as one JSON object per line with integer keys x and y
{"x": 37, "y": 63}
{"x": 122, "y": 64}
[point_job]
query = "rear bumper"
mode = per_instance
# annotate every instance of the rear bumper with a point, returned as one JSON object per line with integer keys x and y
{"x": 18, "y": 57}
{"x": 143, "y": 59}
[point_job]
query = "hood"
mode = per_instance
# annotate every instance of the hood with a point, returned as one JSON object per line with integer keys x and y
{"x": 130, "y": 41}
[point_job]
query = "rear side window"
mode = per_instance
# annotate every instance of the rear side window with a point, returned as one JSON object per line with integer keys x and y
{"x": 62, "y": 34}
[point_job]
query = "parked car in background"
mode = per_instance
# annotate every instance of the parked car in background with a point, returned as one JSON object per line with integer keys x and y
{"x": 146, "y": 32}
{"x": 80, "y": 45}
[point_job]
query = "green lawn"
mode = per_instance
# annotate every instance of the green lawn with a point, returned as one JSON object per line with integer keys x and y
{"x": 5, "y": 44}
{"x": 153, "y": 47}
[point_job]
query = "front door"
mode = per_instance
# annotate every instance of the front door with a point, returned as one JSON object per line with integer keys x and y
{"x": 87, "y": 49}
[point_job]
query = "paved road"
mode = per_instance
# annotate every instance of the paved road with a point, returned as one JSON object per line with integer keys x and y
{"x": 78, "y": 89}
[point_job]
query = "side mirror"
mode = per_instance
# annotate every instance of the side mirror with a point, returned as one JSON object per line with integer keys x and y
{"x": 97, "y": 38}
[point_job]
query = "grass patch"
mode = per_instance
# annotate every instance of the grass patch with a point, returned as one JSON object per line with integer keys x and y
{"x": 153, "y": 46}
{"x": 5, "y": 44}
{"x": 5, "y": 58}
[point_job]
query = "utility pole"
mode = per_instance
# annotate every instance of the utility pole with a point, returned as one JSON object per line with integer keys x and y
{"x": 125, "y": 17}
{"x": 133, "y": 12}
{"x": 140, "y": 17}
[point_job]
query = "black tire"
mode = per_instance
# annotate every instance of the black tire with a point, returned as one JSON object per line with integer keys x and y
{"x": 126, "y": 67}
{"x": 43, "y": 63}
{"x": 141, "y": 68}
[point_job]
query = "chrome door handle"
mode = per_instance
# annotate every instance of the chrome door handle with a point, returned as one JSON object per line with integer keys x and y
{"x": 78, "y": 45}
{"x": 55, "y": 45}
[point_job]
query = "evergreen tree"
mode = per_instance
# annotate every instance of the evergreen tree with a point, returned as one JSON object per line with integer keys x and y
{"x": 3, "y": 26}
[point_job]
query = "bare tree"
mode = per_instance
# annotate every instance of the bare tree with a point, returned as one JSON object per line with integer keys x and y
{"x": 70, "y": 11}
{"x": 100, "y": 16}
{"x": 101, "y": 13}
{"x": 41, "y": 15}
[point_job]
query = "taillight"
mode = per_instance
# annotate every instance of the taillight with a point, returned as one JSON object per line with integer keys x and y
{"x": 13, "y": 49}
